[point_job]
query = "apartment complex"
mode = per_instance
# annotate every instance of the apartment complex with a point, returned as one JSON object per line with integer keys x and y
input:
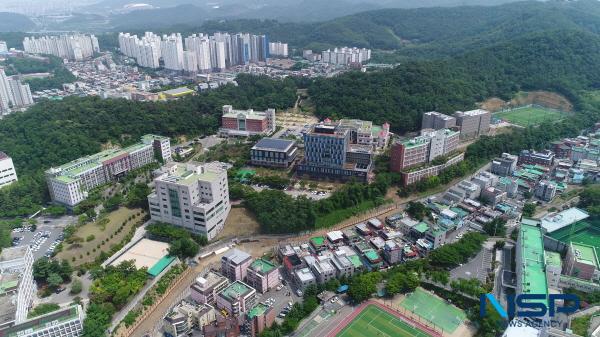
{"x": 3, "y": 47}
{"x": 329, "y": 152}
{"x": 263, "y": 275}
{"x": 206, "y": 287}
{"x": 437, "y": 121}
{"x": 13, "y": 93}
{"x": 345, "y": 55}
{"x": 192, "y": 196}
{"x": 69, "y": 183}
{"x": 17, "y": 287}
{"x": 274, "y": 152}
{"x": 198, "y": 52}
{"x": 278, "y": 49}
{"x": 234, "y": 264}
{"x": 423, "y": 149}
{"x": 64, "y": 322}
{"x": 246, "y": 122}
{"x": 237, "y": 299}
{"x": 71, "y": 47}
{"x": 8, "y": 174}
{"x": 473, "y": 123}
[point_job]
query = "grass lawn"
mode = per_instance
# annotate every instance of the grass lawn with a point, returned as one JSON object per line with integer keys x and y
{"x": 434, "y": 309}
{"x": 529, "y": 115}
{"x": 340, "y": 215}
{"x": 374, "y": 321}
{"x": 83, "y": 251}
{"x": 240, "y": 222}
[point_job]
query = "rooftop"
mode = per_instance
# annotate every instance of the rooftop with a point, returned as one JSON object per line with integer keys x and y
{"x": 552, "y": 259}
{"x": 178, "y": 91}
{"x": 190, "y": 173}
{"x": 3, "y": 156}
{"x": 475, "y": 112}
{"x": 236, "y": 256}
{"x": 305, "y": 274}
{"x": 258, "y": 310}
{"x": 43, "y": 321}
{"x": 533, "y": 278}
{"x": 422, "y": 227}
{"x": 273, "y": 144}
{"x": 317, "y": 241}
{"x": 585, "y": 254}
{"x": 236, "y": 290}
{"x": 553, "y": 222}
{"x": 13, "y": 253}
{"x": 262, "y": 266}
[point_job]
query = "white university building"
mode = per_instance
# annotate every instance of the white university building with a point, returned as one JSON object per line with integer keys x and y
{"x": 193, "y": 196}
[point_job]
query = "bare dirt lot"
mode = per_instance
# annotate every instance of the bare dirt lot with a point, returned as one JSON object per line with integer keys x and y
{"x": 240, "y": 222}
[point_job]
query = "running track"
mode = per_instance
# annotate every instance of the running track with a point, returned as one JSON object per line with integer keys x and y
{"x": 361, "y": 307}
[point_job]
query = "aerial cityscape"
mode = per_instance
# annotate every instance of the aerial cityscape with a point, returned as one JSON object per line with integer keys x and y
{"x": 298, "y": 168}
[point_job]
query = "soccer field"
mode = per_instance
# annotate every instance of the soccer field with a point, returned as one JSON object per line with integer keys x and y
{"x": 529, "y": 115}
{"x": 434, "y": 309}
{"x": 374, "y": 321}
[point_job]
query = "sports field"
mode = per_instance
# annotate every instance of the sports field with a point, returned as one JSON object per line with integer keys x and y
{"x": 432, "y": 308}
{"x": 584, "y": 232}
{"x": 531, "y": 115}
{"x": 374, "y": 321}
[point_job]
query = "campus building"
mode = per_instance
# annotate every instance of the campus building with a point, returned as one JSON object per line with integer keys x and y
{"x": 69, "y": 183}
{"x": 64, "y": 322}
{"x": 366, "y": 133}
{"x": 193, "y": 196}
{"x": 530, "y": 262}
{"x": 263, "y": 275}
{"x": 235, "y": 263}
{"x": 423, "y": 149}
{"x": 246, "y": 122}
{"x": 273, "y": 152}
{"x": 473, "y": 123}
{"x": 17, "y": 287}
{"x": 437, "y": 121}
{"x": 330, "y": 153}
{"x": 8, "y": 175}
{"x": 206, "y": 287}
{"x": 582, "y": 262}
{"x": 237, "y": 299}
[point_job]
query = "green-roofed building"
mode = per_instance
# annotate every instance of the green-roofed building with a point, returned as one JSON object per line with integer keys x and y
{"x": 420, "y": 229}
{"x": 69, "y": 183}
{"x": 62, "y": 322}
{"x": 263, "y": 275}
{"x": 531, "y": 263}
{"x": 160, "y": 265}
{"x": 582, "y": 262}
{"x": 237, "y": 299}
{"x": 260, "y": 317}
{"x": 318, "y": 242}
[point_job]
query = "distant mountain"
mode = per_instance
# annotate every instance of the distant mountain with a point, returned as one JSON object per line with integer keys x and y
{"x": 155, "y": 19}
{"x": 13, "y": 22}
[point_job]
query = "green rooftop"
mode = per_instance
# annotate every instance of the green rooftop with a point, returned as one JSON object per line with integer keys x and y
{"x": 533, "y": 277}
{"x": 258, "y": 310}
{"x": 42, "y": 322}
{"x": 372, "y": 255}
{"x": 317, "y": 241}
{"x": 236, "y": 290}
{"x": 586, "y": 255}
{"x": 262, "y": 266}
{"x": 553, "y": 259}
{"x": 356, "y": 262}
{"x": 159, "y": 266}
{"x": 422, "y": 227}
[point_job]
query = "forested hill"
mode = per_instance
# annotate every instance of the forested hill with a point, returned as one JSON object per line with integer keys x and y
{"x": 562, "y": 61}
{"x": 13, "y": 22}
{"x": 426, "y": 32}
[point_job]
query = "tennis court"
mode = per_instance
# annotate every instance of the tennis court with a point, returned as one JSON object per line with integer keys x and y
{"x": 434, "y": 309}
{"x": 374, "y": 321}
{"x": 529, "y": 115}
{"x": 580, "y": 232}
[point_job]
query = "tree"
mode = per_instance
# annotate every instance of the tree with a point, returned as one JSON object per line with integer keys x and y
{"x": 54, "y": 280}
{"x": 417, "y": 210}
{"x": 529, "y": 210}
{"x": 183, "y": 248}
{"x": 43, "y": 309}
{"x": 137, "y": 197}
{"x": 363, "y": 286}
{"x": 402, "y": 283}
{"x": 496, "y": 227}
{"x": 590, "y": 199}
{"x": 76, "y": 287}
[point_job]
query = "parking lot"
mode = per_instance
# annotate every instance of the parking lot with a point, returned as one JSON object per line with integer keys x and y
{"x": 279, "y": 300}
{"x": 47, "y": 235}
{"x": 478, "y": 267}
